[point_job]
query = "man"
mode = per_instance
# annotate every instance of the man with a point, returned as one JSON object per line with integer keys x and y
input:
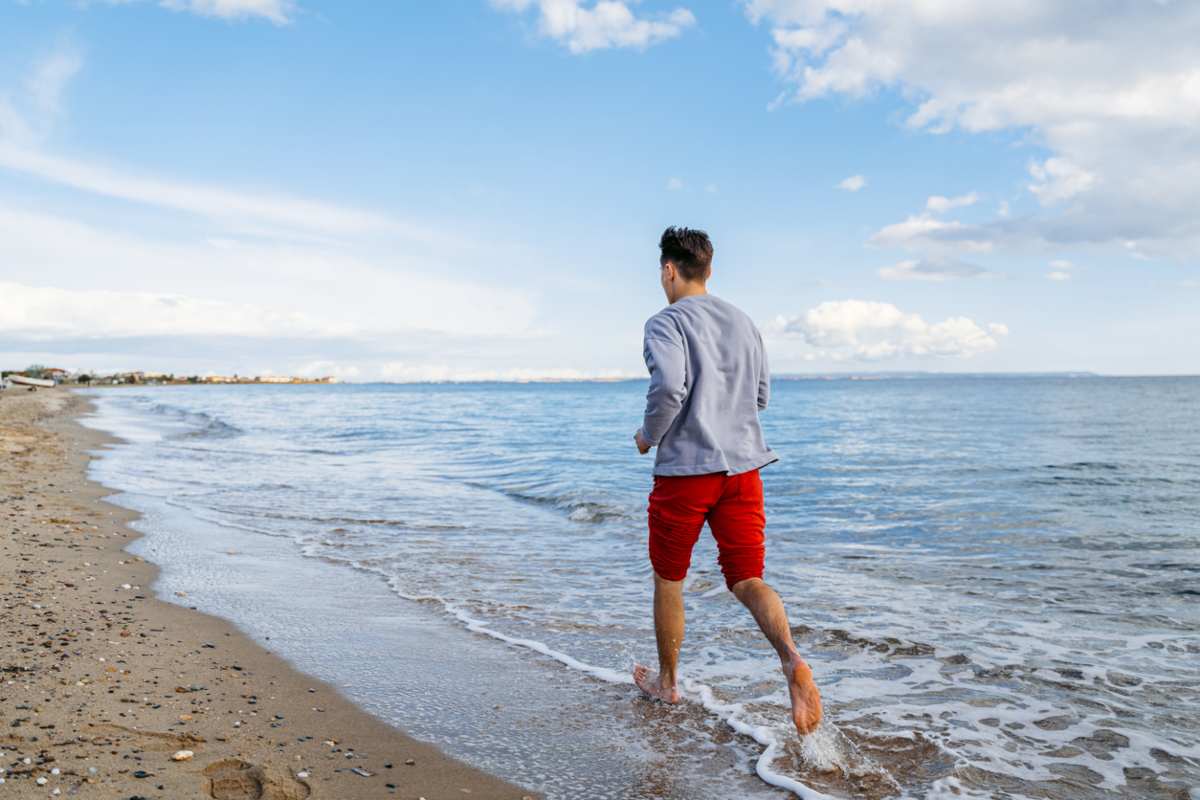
{"x": 708, "y": 381}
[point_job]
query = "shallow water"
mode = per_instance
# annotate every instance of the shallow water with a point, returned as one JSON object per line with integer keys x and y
{"x": 995, "y": 580}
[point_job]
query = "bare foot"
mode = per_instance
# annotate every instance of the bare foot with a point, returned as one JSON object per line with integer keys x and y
{"x": 806, "y": 700}
{"x": 650, "y": 683}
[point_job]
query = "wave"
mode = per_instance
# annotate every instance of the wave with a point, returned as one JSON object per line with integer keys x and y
{"x": 571, "y": 503}
{"x": 383, "y": 522}
{"x": 203, "y": 425}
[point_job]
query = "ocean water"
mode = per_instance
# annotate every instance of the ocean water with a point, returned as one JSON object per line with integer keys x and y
{"x": 996, "y": 580}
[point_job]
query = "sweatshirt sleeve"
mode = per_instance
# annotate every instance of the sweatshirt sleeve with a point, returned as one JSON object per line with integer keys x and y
{"x": 764, "y": 377}
{"x": 663, "y": 351}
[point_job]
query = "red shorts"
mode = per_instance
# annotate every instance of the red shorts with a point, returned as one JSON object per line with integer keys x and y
{"x": 733, "y": 507}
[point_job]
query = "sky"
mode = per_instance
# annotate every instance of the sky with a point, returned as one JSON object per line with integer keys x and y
{"x": 474, "y": 189}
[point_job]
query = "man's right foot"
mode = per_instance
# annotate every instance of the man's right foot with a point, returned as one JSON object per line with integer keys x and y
{"x": 806, "y": 700}
{"x": 650, "y": 683}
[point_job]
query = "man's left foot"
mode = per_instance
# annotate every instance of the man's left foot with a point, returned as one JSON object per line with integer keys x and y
{"x": 806, "y": 699}
{"x": 650, "y": 683}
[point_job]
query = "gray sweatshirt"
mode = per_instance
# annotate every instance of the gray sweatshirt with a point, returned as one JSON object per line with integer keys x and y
{"x": 708, "y": 381}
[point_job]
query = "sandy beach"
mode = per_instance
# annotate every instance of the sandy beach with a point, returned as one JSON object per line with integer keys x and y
{"x": 107, "y": 692}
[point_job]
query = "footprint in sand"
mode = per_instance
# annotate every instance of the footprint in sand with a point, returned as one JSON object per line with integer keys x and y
{"x": 233, "y": 779}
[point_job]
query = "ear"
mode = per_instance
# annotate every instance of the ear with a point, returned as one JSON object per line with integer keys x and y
{"x": 669, "y": 266}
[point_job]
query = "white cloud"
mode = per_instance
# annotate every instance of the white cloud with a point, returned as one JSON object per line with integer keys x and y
{"x": 604, "y": 24}
{"x": 1060, "y": 270}
{"x": 279, "y": 12}
{"x": 1057, "y": 179}
{"x": 872, "y": 331}
{"x": 914, "y": 269}
{"x": 28, "y": 110}
{"x": 813, "y": 40}
{"x": 214, "y": 202}
{"x": 938, "y": 204}
{"x": 925, "y": 231}
{"x": 853, "y": 183}
{"x": 320, "y": 369}
{"x": 39, "y": 313}
{"x": 674, "y": 184}
{"x": 1113, "y": 98}
{"x": 49, "y": 78}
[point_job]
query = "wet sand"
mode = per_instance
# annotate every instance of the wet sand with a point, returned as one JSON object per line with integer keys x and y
{"x": 102, "y": 686}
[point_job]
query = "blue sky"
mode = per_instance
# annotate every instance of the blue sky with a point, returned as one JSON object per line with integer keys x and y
{"x": 475, "y": 189}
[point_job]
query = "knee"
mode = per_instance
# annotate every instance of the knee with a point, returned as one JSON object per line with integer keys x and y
{"x": 747, "y": 588}
{"x": 662, "y": 582}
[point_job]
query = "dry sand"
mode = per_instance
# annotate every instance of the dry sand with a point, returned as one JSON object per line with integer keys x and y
{"x": 101, "y": 684}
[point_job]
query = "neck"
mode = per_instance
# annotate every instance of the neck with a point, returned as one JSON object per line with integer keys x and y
{"x": 689, "y": 289}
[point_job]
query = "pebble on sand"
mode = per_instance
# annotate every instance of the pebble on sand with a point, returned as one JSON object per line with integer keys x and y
{"x": 182, "y": 755}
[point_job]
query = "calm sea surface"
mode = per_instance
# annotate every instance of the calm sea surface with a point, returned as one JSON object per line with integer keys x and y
{"x": 996, "y": 581}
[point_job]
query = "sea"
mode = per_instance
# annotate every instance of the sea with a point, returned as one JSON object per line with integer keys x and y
{"x": 996, "y": 580}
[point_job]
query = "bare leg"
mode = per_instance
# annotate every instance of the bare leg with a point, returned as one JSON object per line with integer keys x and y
{"x": 668, "y": 630}
{"x": 769, "y": 613}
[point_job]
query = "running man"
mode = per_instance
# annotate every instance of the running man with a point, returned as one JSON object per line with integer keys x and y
{"x": 708, "y": 381}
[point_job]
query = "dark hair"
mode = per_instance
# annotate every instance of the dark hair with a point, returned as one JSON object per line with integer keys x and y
{"x": 689, "y": 250}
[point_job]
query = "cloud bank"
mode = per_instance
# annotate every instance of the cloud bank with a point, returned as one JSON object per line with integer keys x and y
{"x": 1112, "y": 96}
{"x": 860, "y": 330}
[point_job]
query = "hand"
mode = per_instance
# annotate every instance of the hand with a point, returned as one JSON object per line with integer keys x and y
{"x": 642, "y": 445}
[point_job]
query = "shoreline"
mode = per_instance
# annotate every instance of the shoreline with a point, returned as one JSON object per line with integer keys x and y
{"x": 102, "y": 683}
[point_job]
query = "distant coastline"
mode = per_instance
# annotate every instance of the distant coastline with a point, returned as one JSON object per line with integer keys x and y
{"x": 64, "y": 378}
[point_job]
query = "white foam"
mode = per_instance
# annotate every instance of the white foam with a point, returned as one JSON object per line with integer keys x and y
{"x": 730, "y": 713}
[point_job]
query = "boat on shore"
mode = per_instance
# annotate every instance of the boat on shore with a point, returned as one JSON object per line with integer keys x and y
{"x": 22, "y": 380}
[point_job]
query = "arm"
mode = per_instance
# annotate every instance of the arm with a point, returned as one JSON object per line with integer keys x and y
{"x": 664, "y": 399}
{"x": 764, "y": 377}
